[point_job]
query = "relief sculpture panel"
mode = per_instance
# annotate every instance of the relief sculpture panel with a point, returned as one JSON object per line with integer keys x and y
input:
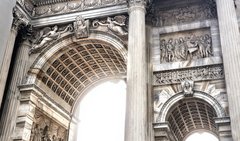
{"x": 45, "y": 129}
{"x": 184, "y": 15}
{"x": 186, "y": 45}
{"x": 189, "y": 74}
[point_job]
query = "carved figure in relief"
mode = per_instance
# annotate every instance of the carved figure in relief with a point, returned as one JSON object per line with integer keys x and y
{"x": 207, "y": 42}
{"x": 37, "y": 134}
{"x": 170, "y": 50}
{"x": 182, "y": 15}
{"x": 80, "y": 27}
{"x": 187, "y": 87}
{"x": 115, "y": 24}
{"x": 163, "y": 49}
{"x": 182, "y": 51}
{"x": 47, "y": 35}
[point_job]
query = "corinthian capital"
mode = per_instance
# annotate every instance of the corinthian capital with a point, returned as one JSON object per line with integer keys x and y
{"x": 18, "y": 20}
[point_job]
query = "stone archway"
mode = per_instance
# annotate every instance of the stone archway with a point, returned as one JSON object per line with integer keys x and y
{"x": 181, "y": 116}
{"x": 65, "y": 71}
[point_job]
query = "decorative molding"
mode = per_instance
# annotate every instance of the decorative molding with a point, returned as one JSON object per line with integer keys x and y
{"x": 188, "y": 74}
{"x": 48, "y": 9}
{"x": 42, "y": 98}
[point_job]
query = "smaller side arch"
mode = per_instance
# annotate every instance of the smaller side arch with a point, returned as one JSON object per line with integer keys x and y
{"x": 197, "y": 94}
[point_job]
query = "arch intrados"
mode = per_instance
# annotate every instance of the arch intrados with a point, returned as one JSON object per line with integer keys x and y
{"x": 197, "y": 94}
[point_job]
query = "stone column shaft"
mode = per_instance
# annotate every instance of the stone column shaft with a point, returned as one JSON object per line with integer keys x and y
{"x": 10, "y": 108}
{"x": 136, "y": 109}
{"x": 230, "y": 43}
{"x": 6, "y": 62}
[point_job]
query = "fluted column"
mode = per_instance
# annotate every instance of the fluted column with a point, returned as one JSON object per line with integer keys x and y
{"x": 230, "y": 43}
{"x": 136, "y": 108}
{"x": 6, "y": 62}
{"x": 18, "y": 22}
{"x": 8, "y": 119}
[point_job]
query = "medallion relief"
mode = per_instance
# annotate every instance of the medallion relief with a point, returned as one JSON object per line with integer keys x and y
{"x": 187, "y": 87}
{"x": 186, "y": 45}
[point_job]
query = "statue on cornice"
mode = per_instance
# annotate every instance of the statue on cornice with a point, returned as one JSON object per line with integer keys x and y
{"x": 115, "y": 24}
{"x": 47, "y": 35}
{"x": 81, "y": 27}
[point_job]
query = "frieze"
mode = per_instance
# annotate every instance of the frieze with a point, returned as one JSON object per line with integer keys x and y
{"x": 184, "y": 15}
{"x": 189, "y": 74}
{"x": 41, "y": 10}
{"x": 186, "y": 45}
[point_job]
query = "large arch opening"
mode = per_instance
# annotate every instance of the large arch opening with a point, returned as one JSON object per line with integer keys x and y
{"x": 103, "y": 110}
{"x": 69, "y": 68}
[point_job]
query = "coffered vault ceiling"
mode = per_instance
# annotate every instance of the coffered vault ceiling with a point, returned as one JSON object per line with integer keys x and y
{"x": 189, "y": 115}
{"x": 79, "y": 67}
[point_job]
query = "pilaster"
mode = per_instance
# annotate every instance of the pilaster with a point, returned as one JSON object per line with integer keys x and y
{"x": 224, "y": 128}
{"x": 230, "y": 42}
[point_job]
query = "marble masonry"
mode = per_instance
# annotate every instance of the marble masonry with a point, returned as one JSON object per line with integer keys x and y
{"x": 180, "y": 60}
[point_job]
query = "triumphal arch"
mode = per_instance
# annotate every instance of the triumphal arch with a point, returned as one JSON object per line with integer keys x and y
{"x": 180, "y": 60}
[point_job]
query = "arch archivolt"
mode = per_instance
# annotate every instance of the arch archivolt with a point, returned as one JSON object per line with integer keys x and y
{"x": 197, "y": 94}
